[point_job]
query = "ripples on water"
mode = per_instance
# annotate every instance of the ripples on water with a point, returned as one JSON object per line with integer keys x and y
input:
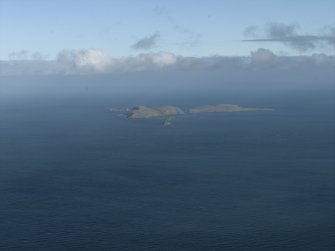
{"x": 75, "y": 177}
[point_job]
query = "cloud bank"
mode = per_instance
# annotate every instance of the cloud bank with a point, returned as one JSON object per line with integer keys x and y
{"x": 289, "y": 36}
{"x": 95, "y": 61}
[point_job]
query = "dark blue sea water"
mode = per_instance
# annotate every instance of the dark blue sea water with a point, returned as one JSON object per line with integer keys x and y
{"x": 75, "y": 177}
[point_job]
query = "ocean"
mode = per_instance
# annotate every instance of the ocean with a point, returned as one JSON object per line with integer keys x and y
{"x": 74, "y": 176}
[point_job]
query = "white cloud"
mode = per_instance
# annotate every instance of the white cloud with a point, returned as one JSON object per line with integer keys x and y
{"x": 162, "y": 58}
{"x": 262, "y": 56}
{"x": 144, "y": 61}
{"x": 90, "y": 60}
{"x": 96, "y": 61}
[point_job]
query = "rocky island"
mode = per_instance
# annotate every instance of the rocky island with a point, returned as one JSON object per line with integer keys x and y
{"x": 168, "y": 111}
{"x": 141, "y": 111}
{"x": 225, "y": 108}
{"x": 167, "y": 122}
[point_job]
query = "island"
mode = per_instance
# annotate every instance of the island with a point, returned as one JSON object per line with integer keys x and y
{"x": 225, "y": 108}
{"x": 167, "y": 112}
{"x": 141, "y": 111}
{"x": 167, "y": 122}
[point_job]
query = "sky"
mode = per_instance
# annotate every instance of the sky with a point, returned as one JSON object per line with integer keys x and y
{"x": 39, "y": 29}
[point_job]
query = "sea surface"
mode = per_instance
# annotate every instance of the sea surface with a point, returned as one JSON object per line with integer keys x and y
{"x": 74, "y": 176}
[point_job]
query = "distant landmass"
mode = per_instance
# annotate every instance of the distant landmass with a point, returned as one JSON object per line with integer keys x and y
{"x": 225, "y": 108}
{"x": 145, "y": 112}
{"x": 141, "y": 111}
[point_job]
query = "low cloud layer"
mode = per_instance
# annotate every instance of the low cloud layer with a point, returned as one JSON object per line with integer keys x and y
{"x": 289, "y": 36}
{"x": 88, "y": 61}
{"x": 146, "y": 43}
{"x": 94, "y": 61}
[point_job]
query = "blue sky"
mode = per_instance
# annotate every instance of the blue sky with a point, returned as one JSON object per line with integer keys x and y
{"x": 188, "y": 28}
